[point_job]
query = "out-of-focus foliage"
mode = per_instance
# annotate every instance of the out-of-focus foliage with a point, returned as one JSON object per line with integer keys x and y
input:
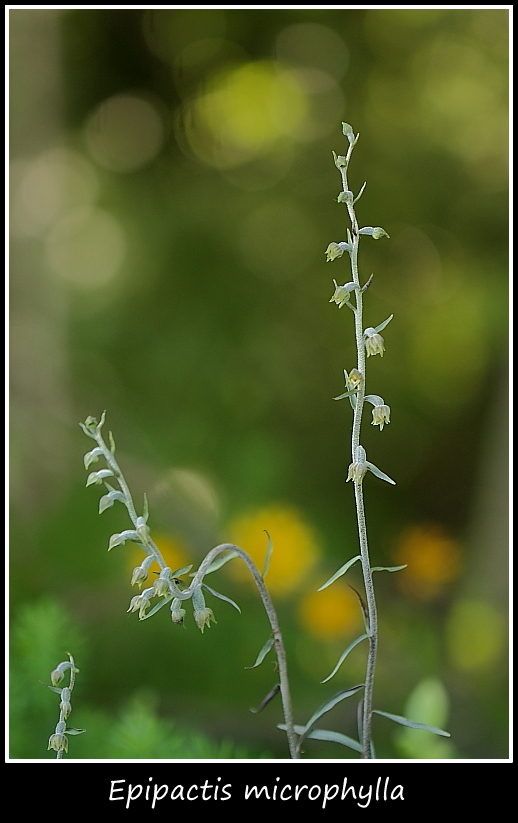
{"x": 173, "y": 193}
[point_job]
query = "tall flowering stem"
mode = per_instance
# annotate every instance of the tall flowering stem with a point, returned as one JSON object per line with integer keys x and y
{"x": 368, "y": 342}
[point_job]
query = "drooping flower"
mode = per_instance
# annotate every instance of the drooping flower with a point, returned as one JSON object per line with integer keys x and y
{"x": 357, "y": 472}
{"x": 204, "y": 617}
{"x": 177, "y": 613}
{"x": 380, "y": 416}
{"x": 335, "y": 250}
{"x": 354, "y": 379}
{"x": 58, "y": 742}
{"x": 374, "y": 343}
{"x": 141, "y": 602}
{"x": 342, "y": 293}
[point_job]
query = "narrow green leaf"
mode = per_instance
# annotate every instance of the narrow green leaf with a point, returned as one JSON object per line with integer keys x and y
{"x": 262, "y": 654}
{"x": 221, "y": 562}
{"x": 411, "y": 723}
{"x": 269, "y": 551}
{"x": 157, "y": 607}
{"x": 365, "y": 611}
{"x": 385, "y": 323}
{"x": 344, "y": 655}
{"x": 145, "y": 511}
{"x": 221, "y": 596}
{"x": 328, "y": 705}
{"x": 388, "y": 568}
{"x": 359, "y": 193}
{"x": 52, "y": 688}
{"x": 374, "y": 469}
{"x": 346, "y": 394}
{"x": 112, "y": 442}
{"x": 342, "y": 570}
{"x": 183, "y": 570}
{"x": 271, "y": 694}
{"x": 334, "y": 737}
{"x": 75, "y": 731}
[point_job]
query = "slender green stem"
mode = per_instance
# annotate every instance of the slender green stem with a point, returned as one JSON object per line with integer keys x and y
{"x": 358, "y": 488}
{"x": 276, "y": 631}
{"x": 147, "y": 543}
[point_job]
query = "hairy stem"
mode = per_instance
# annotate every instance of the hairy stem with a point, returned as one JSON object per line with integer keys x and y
{"x": 147, "y": 543}
{"x": 372, "y": 627}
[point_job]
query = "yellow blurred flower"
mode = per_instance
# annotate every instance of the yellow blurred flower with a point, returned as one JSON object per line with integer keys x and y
{"x": 332, "y": 613}
{"x": 433, "y": 560}
{"x": 295, "y": 546}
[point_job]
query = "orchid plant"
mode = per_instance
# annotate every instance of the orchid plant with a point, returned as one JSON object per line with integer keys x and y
{"x": 169, "y": 590}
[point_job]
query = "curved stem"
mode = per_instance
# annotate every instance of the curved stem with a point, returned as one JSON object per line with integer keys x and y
{"x": 276, "y": 631}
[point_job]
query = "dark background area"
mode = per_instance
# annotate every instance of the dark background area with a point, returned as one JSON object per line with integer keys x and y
{"x": 173, "y": 193}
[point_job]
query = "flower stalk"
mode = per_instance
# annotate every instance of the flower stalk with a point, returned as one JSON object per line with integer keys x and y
{"x": 59, "y": 740}
{"x": 368, "y": 342}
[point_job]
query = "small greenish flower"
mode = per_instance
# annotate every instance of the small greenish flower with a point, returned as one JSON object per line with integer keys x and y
{"x": 65, "y": 707}
{"x": 373, "y": 342}
{"x": 177, "y": 613}
{"x": 333, "y": 251}
{"x": 161, "y": 587}
{"x": 59, "y": 672}
{"x": 340, "y": 161}
{"x": 357, "y": 472}
{"x": 56, "y": 676}
{"x": 380, "y": 416}
{"x": 204, "y": 617}
{"x": 139, "y": 576}
{"x": 58, "y": 742}
{"x": 375, "y": 232}
{"x": 354, "y": 379}
{"x": 342, "y": 293}
{"x": 141, "y": 602}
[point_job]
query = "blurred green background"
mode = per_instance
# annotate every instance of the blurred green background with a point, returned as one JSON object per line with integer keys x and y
{"x": 173, "y": 193}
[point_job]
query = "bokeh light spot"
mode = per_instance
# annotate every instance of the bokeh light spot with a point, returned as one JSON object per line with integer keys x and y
{"x": 433, "y": 560}
{"x": 295, "y": 546}
{"x": 475, "y": 634}
{"x": 313, "y": 45}
{"x": 49, "y": 186}
{"x": 86, "y": 248}
{"x": 244, "y": 111}
{"x": 331, "y": 613}
{"x": 124, "y": 133}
